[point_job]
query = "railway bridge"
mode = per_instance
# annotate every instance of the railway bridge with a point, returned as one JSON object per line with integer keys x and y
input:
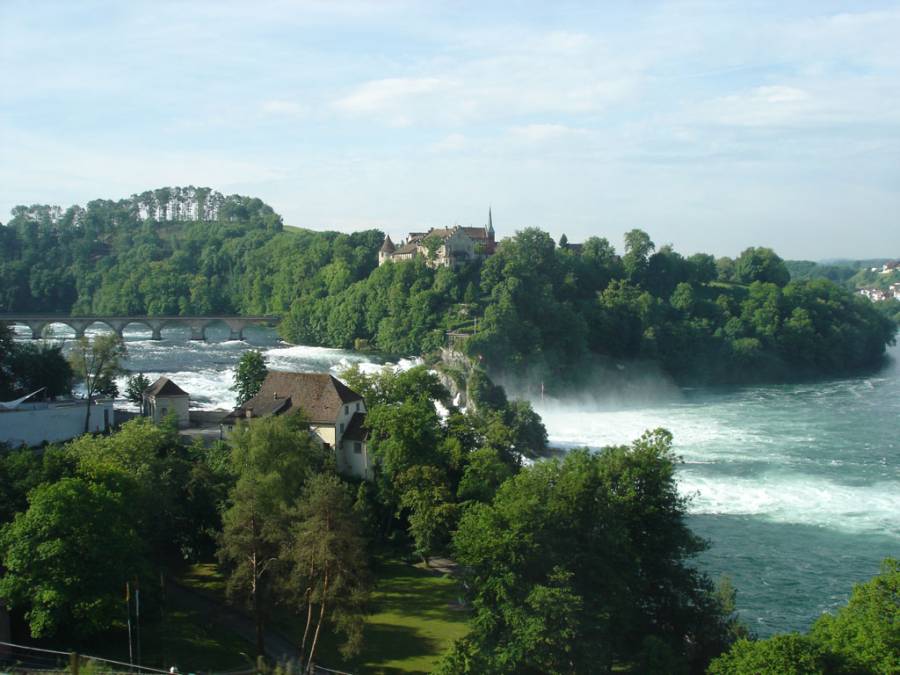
{"x": 198, "y": 324}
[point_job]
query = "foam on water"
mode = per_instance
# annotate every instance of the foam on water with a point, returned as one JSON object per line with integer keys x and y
{"x": 794, "y": 498}
{"x": 796, "y": 487}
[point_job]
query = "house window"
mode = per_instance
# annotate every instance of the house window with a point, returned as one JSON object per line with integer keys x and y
{"x": 357, "y": 448}
{"x": 357, "y": 406}
{"x": 342, "y": 427}
{"x": 346, "y": 409}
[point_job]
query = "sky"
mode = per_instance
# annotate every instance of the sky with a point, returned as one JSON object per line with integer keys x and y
{"x": 713, "y": 126}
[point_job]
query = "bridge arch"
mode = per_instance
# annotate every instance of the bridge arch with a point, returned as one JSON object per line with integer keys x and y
{"x": 174, "y": 326}
{"x": 144, "y": 323}
{"x": 59, "y": 330}
{"x": 25, "y": 327}
{"x": 93, "y": 324}
{"x": 221, "y": 329}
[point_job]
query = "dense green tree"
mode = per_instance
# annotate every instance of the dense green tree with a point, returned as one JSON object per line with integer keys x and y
{"x": 638, "y": 247}
{"x": 249, "y": 375}
{"x": 273, "y": 458}
{"x": 577, "y": 562}
{"x": 790, "y": 654}
{"x": 428, "y": 466}
{"x": 96, "y": 363}
{"x": 329, "y": 574}
{"x": 239, "y": 259}
{"x": 136, "y": 386}
{"x": 172, "y": 495}
{"x": 23, "y": 470}
{"x": 426, "y": 494}
{"x": 485, "y": 471}
{"x": 703, "y": 268}
{"x": 725, "y": 269}
{"x": 529, "y": 435}
{"x": 865, "y": 633}
{"x": 41, "y": 364}
{"x": 761, "y": 264}
{"x": 68, "y": 556}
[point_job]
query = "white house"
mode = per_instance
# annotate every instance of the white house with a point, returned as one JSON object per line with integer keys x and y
{"x": 336, "y": 414}
{"x": 164, "y": 397}
{"x": 23, "y": 423}
{"x": 873, "y": 294}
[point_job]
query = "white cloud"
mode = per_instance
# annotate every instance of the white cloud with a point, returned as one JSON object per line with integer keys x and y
{"x": 282, "y": 107}
{"x": 396, "y": 99}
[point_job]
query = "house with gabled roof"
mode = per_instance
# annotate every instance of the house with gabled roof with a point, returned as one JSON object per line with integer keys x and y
{"x": 336, "y": 414}
{"x": 164, "y": 397}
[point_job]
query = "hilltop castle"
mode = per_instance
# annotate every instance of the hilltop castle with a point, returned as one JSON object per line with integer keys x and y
{"x": 443, "y": 247}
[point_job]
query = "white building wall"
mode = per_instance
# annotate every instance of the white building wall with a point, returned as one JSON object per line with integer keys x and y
{"x": 324, "y": 431}
{"x": 345, "y": 415}
{"x": 160, "y": 406}
{"x": 52, "y": 423}
{"x": 355, "y": 463}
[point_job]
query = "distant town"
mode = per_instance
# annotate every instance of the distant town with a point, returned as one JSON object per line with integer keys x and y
{"x": 876, "y": 294}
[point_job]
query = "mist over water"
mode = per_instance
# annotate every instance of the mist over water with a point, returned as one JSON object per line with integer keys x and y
{"x": 796, "y": 487}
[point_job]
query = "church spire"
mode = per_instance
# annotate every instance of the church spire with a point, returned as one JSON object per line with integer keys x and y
{"x": 490, "y": 225}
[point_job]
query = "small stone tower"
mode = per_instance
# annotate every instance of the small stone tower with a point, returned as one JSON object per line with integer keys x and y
{"x": 386, "y": 251}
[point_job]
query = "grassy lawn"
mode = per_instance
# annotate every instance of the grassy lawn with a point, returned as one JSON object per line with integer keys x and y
{"x": 205, "y": 577}
{"x": 414, "y": 619}
{"x": 185, "y": 639}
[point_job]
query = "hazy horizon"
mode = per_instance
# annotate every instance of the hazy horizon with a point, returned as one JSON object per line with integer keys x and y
{"x": 713, "y": 126}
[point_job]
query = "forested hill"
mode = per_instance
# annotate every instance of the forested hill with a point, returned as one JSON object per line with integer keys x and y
{"x": 544, "y": 311}
{"x": 171, "y": 251}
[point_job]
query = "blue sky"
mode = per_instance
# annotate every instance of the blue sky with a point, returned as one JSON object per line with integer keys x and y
{"x": 712, "y": 125}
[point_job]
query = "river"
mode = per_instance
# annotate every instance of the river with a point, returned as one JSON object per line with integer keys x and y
{"x": 796, "y": 487}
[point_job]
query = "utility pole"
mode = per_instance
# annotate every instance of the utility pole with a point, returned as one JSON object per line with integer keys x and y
{"x": 128, "y": 610}
{"x": 137, "y": 617}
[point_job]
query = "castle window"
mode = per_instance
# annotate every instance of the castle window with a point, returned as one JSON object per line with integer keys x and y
{"x": 342, "y": 427}
{"x": 357, "y": 448}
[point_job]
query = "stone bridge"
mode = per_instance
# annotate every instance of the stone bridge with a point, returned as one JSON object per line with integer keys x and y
{"x": 197, "y": 324}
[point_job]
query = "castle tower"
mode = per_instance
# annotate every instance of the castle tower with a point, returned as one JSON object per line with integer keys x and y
{"x": 387, "y": 250}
